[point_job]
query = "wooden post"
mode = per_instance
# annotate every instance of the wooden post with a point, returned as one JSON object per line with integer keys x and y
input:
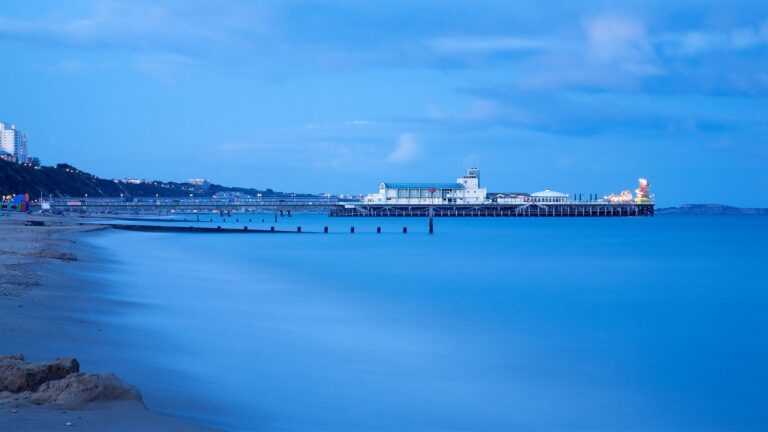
{"x": 431, "y": 222}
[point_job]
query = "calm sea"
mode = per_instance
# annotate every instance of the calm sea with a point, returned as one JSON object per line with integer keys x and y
{"x": 489, "y": 324}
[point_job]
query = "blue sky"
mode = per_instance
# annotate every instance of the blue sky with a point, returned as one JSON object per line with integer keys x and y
{"x": 336, "y": 96}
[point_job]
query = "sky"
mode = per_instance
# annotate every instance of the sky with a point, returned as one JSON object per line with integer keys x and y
{"x": 337, "y": 96}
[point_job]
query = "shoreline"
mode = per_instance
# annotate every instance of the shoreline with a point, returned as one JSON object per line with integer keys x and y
{"x": 48, "y": 309}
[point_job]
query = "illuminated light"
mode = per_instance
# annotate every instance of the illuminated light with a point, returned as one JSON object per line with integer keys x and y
{"x": 642, "y": 196}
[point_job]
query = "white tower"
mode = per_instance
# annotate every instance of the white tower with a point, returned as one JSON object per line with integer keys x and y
{"x": 472, "y": 193}
{"x": 13, "y": 141}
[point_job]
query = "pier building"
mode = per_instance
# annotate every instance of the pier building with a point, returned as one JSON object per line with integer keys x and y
{"x": 549, "y": 196}
{"x": 466, "y": 190}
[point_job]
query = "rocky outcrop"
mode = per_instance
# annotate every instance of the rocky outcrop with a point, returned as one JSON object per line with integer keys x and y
{"x": 59, "y": 383}
{"x": 18, "y": 375}
{"x": 79, "y": 389}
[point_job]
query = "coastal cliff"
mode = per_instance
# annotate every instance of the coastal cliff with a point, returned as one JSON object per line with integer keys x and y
{"x": 66, "y": 180}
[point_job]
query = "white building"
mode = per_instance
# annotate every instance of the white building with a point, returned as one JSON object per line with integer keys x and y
{"x": 466, "y": 190}
{"x": 13, "y": 141}
{"x": 198, "y": 182}
{"x": 549, "y": 196}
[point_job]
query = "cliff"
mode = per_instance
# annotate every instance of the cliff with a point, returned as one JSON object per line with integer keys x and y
{"x": 66, "y": 180}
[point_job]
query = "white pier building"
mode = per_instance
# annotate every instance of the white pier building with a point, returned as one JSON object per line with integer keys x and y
{"x": 466, "y": 190}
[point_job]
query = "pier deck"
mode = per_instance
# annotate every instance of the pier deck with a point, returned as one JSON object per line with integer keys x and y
{"x": 582, "y": 209}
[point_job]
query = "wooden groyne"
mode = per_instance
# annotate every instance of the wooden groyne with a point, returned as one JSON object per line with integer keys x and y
{"x": 220, "y": 230}
{"x": 194, "y": 229}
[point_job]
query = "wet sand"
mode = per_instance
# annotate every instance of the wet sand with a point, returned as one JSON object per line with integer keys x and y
{"x": 46, "y": 312}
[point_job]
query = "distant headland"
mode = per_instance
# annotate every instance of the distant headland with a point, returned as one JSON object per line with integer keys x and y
{"x": 710, "y": 209}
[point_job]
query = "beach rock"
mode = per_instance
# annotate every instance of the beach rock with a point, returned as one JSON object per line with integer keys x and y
{"x": 79, "y": 389}
{"x": 58, "y": 383}
{"x": 18, "y": 375}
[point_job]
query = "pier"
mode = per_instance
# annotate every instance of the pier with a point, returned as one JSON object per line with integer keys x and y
{"x": 190, "y": 204}
{"x": 575, "y": 209}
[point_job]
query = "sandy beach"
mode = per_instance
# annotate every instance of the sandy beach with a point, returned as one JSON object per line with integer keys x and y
{"x": 44, "y": 314}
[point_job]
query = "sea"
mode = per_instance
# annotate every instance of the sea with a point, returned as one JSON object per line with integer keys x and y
{"x": 492, "y": 324}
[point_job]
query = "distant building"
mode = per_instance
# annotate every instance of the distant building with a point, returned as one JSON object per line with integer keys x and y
{"x": 13, "y": 141}
{"x": 198, "y": 182}
{"x": 134, "y": 180}
{"x": 4, "y": 155}
{"x": 230, "y": 195}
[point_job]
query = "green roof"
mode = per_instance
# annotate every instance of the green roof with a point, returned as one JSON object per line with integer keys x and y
{"x": 424, "y": 185}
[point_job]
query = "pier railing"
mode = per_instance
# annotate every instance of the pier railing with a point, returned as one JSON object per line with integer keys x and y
{"x": 117, "y": 203}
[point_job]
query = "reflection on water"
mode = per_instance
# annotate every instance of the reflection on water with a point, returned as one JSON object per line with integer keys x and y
{"x": 490, "y": 324}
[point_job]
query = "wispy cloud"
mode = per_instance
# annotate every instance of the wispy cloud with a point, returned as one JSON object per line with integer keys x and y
{"x": 108, "y": 24}
{"x": 141, "y": 26}
{"x": 485, "y": 44}
{"x": 691, "y": 43}
{"x": 406, "y": 151}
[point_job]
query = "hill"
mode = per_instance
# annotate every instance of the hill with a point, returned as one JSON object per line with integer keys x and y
{"x": 66, "y": 180}
{"x": 710, "y": 209}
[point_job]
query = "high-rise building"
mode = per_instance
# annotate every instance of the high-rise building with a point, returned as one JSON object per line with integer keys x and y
{"x": 13, "y": 141}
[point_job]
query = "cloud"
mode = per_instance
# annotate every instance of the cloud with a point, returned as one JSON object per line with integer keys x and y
{"x": 622, "y": 43}
{"x": 485, "y": 44}
{"x": 184, "y": 28}
{"x": 406, "y": 151}
{"x": 163, "y": 67}
{"x": 108, "y": 25}
{"x": 692, "y": 43}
